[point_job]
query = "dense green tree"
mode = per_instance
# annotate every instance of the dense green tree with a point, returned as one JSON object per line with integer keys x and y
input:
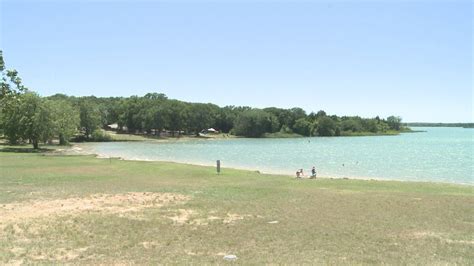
{"x": 200, "y": 116}
{"x": 303, "y": 127}
{"x": 175, "y": 116}
{"x": 274, "y": 125}
{"x": 159, "y": 118}
{"x": 90, "y": 118}
{"x": 11, "y": 88}
{"x": 253, "y": 123}
{"x": 43, "y": 126}
{"x": 10, "y": 83}
{"x": 282, "y": 115}
{"x": 152, "y": 113}
{"x": 289, "y": 117}
{"x": 326, "y": 126}
{"x": 320, "y": 114}
{"x": 370, "y": 125}
{"x": 29, "y": 120}
{"x": 10, "y": 119}
{"x": 66, "y": 120}
{"x": 286, "y": 117}
{"x": 225, "y": 118}
{"x": 132, "y": 114}
{"x": 23, "y": 116}
{"x": 394, "y": 122}
{"x": 160, "y": 97}
{"x": 352, "y": 124}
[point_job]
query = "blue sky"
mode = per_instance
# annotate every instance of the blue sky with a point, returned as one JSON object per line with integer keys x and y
{"x": 367, "y": 58}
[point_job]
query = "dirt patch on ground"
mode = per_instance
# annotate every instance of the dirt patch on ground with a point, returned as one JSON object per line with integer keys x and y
{"x": 428, "y": 234}
{"x": 62, "y": 254}
{"x": 105, "y": 203}
{"x": 149, "y": 244}
{"x": 188, "y": 216}
{"x": 182, "y": 216}
{"x": 232, "y": 217}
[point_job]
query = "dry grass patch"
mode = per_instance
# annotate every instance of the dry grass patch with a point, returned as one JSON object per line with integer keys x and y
{"x": 182, "y": 216}
{"x": 120, "y": 204}
{"x": 24, "y": 223}
{"x": 192, "y": 217}
{"x": 419, "y": 235}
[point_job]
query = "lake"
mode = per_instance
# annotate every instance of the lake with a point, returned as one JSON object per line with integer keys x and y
{"x": 439, "y": 155}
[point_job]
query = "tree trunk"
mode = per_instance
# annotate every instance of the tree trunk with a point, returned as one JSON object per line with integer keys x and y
{"x": 35, "y": 144}
{"x": 62, "y": 140}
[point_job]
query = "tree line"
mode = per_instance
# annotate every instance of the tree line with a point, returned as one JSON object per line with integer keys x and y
{"x": 422, "y": 124}
{"x": 27, "y": 117}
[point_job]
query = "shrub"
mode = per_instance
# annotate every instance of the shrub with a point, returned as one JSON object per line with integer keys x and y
{"x": 100, "y": 136}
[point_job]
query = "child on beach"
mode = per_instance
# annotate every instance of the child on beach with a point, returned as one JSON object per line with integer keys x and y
{"x": 299, "y": 173}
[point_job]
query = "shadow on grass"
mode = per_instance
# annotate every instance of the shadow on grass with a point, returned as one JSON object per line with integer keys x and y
{"x": 25, "y": 150}
{"x": 22, "y": 148}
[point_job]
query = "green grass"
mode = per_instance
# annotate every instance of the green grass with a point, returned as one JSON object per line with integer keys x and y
{"x": 330, "y": 221}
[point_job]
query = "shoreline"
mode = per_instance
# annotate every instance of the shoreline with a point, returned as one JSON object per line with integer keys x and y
{"x": 83, "y": 152}
{"x": 121, "y": 136}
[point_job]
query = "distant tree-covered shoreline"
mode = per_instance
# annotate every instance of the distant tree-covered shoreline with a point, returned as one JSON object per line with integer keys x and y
{"x": 424, "y": 124}
{"x": 27, "y": 117}
{"x": 154, "y": 112}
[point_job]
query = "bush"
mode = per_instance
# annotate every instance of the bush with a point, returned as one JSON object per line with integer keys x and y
{"x": 100, "y": 136}
{"x": 97, "y": 136}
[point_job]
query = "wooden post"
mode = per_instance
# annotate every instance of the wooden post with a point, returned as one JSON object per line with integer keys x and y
{"x": 218, "y": 162}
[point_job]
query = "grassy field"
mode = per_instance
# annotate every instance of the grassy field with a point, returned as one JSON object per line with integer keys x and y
{"x": 80, "y": 209}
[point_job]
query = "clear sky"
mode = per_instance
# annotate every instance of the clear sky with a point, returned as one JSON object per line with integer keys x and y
{"x": 367, "y": 58}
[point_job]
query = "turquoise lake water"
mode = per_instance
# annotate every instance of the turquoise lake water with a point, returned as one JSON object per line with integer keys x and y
{"x": 439, "y": 155}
